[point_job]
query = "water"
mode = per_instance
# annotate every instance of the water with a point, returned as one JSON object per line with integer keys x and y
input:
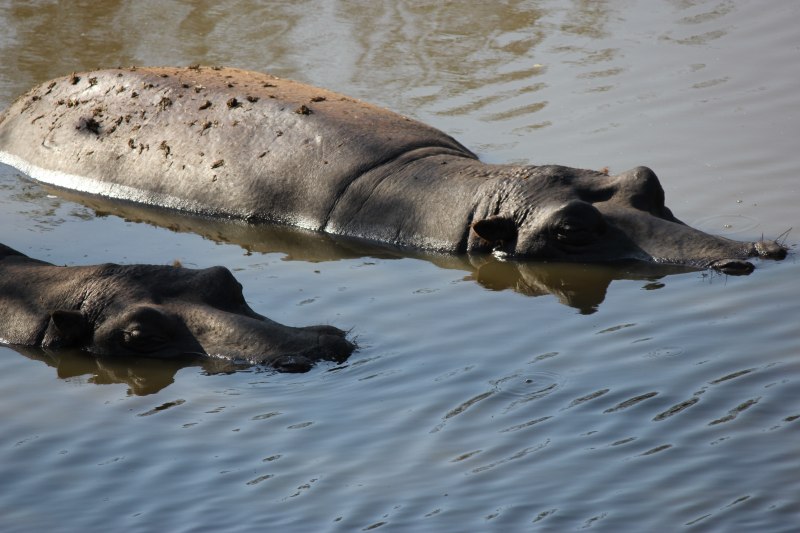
{"x": 485, "y": 395}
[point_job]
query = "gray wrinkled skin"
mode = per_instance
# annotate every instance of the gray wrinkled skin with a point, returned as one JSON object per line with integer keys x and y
{"x": 150, "y": 311}
{"x": 227, "y": 142}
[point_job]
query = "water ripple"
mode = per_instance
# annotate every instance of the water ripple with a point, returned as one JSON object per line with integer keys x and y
{"x": 631, "y": 402}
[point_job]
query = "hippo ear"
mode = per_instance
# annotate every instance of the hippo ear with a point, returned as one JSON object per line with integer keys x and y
{"x": 67, "y": 328}
{"x": 495, "y": 229}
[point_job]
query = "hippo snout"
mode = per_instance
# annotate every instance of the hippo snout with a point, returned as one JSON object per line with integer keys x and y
{"x": 331, "y": 346}
{"x": 737, "y": 267}
{"x": 770, "y": 250}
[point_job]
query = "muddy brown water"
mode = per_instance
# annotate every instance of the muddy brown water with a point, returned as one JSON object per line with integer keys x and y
{"x": 486, "y": 396}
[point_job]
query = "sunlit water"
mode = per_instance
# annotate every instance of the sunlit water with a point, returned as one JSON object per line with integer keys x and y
{"x": 508, "y": 398}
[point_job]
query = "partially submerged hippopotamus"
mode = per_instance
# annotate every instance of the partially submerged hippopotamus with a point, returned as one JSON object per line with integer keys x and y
{"x": 228, "y": 142}
{"x": 150, "y": 310}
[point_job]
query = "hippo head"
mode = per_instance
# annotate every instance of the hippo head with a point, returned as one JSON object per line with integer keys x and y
{"x": 165, "y": 312}
{"x": 563, "y": 214}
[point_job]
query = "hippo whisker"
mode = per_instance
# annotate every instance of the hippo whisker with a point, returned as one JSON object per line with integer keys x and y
{"x": 781, "y": 239}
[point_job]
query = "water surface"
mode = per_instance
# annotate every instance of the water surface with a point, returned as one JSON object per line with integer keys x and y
{"x": 485, "y": 395}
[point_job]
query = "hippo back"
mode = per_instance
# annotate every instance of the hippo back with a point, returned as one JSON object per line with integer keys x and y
{"x": 217, "y": 141}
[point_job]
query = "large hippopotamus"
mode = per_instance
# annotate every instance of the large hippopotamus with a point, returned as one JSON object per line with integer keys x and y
{"x": 228, "y": 142}
{"x": 150, "y": 310}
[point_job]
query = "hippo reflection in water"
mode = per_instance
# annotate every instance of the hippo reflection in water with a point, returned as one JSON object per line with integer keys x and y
{"x": 150, "y": 310}
{"x": 579, "y": 285}
{"x": 233, "y": 143}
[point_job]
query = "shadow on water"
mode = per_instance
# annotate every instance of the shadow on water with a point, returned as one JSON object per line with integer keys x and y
{"x": 577, "y": 285}
{"x": 142, "y": 375}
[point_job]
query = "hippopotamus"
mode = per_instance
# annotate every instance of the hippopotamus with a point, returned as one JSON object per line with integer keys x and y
{"x": 157, "y": 311}
{"x": 232, "y": 143}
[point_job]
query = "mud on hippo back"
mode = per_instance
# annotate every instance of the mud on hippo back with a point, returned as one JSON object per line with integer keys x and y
{"x": 228, "y": 142}
{"x": 151, "y": 311}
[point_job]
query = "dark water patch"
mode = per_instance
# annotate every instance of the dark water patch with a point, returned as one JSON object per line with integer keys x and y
{"x": 588, "y": 398}
{"x": 425, "y": 291}
{"x": 737, "y": 502}
{"x": 378, "y": 375}
{"x": 266, "y": 416}
{"x": 733, "y": 375}
{"x": 698, "y": 520}
{"x": 706, "y": 516}
{"x": 453, "y": 373}
{"x": 111, "y": 461}
{"x": 305, "y": 487}
{"x": 675, "y": 409}
{"x": 591, "y": 522}
{"x": 615, "y": 328}
{"x": 631, "y": 402}
{"x": 259, "y": 479}
{"x": 666, "y": 351}
{"x": 518, "y": 455}
{"x": 736, "y": 411}
{"x": 710, "y": 83}
{"x": 462, "y": 408}
{"x": 465, "y": 456}
{"x": 26, "y": 440}
{"x": 524, "y": 425}
{"x": 657, "y": 449}
{"x": 301, "y": 425}
{"x": 544, "y": 514}
{"x": 544, "y": 356}
{"x": 163, "y": 407}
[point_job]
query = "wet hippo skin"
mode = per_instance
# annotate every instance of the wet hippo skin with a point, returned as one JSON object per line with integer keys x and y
{"x": 150, "y": 310}
{"x": 234, "y": 143}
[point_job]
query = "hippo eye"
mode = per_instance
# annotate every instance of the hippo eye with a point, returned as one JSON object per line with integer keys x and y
{"x": 143, "y": 339}
{"x": 146, "y": 330}
{"x": 132, "y": 335}
{"x": 577, "y": 224}
{"x": 571, "y": 233}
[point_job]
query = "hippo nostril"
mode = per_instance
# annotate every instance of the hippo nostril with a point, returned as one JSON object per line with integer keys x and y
{"x": 770, "y": 250}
